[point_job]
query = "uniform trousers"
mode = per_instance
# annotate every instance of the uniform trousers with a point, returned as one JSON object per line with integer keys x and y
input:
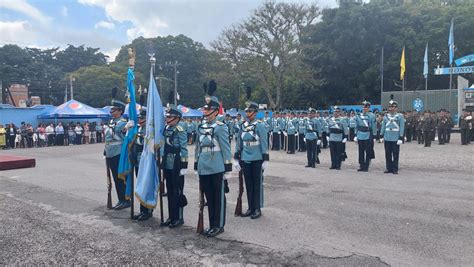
{"x": 427, "y": 136}
{"x": 365, "y": 153}
{"x": 419, "y": 136}
{"x": 301, "y": 142}
{"x": 113, "y": 163}
{"x": 213, "y": 187}
{"x": 311, "y": 151}
{"x": 174, "y": 189}
{"x": 324, "y": 139}
{"x": 336, "y": 150}
{"x": 282, "y": 141}
{"x": 409, "y": 134}
{"x": 291, "y": 143}
{"x": 253, "y": 183}
{"x": 351, "y": 134}
{"x": 465, "y": 136}
{"x": 442, "y": 136}
{"x": 392, "y": 152}
{"x": 276, "y": 141}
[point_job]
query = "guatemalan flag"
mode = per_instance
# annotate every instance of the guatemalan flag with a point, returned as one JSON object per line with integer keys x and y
{"x": 146, "y": 189}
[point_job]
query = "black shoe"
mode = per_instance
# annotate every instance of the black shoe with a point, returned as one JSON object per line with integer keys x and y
{"x": 314, "y": 166}
{"x": 248, "y": 213}
{"x": 117, "y": 205}
{"x": 206, "y": 231}
{"x": 165, "y": 223}
{"x": 317, "y": 161}
{"x": 309, "y": 165}
{"x": 338, "y": 168}
{"x": 387, "y": 171}
{"x": 145, "y": 216}
{"x": 365, "y": 170}
{"x": 256, "y": 214}
{"x": 360, "y": 169}
{"x": 123, "y": 205}
{"x": 135, "y": 217}
{"x": 176, "y": 223}
{"x": 395, "y": 172}
{"x": 215, "y": 231}
{"x": 332, "y": 168}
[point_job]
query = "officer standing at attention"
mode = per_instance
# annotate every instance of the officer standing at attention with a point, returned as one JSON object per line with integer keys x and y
{"x": 365, "y": 130}
{"x": 137, "y": 149}
{"x": 302, "y": 122}
{"x": 268, "y": 126}
{"x": 114, "y": 136}
{"x": 276, "y": 131}
{"x": 429, "y": 126}
{"x": 291, "y": 134}
{"x": 393, "y": 128}
{"x": 230, "y": 126}
{"x": 337, "y": 135}
{"x": 213, "y": 158}
{"x": 312, "y": 138}
{"x": 174, "y": 164}
{"x": 251, "y": 154}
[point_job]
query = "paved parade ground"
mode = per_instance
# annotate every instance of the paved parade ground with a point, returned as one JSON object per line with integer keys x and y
{"x": 424, "y": 216}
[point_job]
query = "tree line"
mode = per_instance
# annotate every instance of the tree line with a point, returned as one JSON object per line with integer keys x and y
{"x": 290, "y": 55}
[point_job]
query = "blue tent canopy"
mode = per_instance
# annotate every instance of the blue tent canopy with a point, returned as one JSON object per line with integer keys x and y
{"x": 189, "y": 112}
{"x": 74, "y": 110}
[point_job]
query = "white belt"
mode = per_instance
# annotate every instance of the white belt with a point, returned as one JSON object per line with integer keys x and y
{"x": 251, "y": 143}
{"x": 209, "y": 149}
{"x": 392, "y": 130}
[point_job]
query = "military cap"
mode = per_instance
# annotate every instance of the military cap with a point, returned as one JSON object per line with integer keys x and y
{"x": 337, "y": 108}
{"x": 392, "y": 103}
{"x": 251, "y": 106}
{"x": 212, "y": 102}
{"x": 117, "y": 104}
{"x": 366, "y": 103}
{"x": 173, "y": 111}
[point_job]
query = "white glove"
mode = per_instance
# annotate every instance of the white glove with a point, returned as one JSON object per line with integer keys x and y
{"x": 381, "y": 140}
{"x": 285, "y": 133}
{"x": 183, "y": 172}
{"x": 344, "y": 140}
{"x": 405, "y": 138}
{"x": 227, "y": 176}
{"x": 304, "y": 139}
{"x": 399, "y": 142}
{"x": 130, "y": 124}
{"x": 237, "y": 166}
{"x": 279, "y": 132}
{"x": 296, "y": 134}
{"x": 264, "y": 165}
{"x": 318, "y": 142}
{"x": 327, "y": 138}
{"x": 355, "y": 139}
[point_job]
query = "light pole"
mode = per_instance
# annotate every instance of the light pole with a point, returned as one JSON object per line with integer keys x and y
{"x": 175, "y": 65}
{"x": 71, "y": 80}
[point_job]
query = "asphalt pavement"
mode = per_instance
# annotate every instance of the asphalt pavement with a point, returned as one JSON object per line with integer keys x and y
{"x": 424, "y": 216}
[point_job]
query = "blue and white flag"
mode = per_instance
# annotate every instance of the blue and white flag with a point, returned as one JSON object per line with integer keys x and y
{"x": 425, "y": 61}
{"x": 451, "y": 43}
{"x": 125, "y": 167}
{"x": 148, "y": 183}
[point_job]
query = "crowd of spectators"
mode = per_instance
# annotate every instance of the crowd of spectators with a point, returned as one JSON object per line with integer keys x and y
{"x": 26, "y": 136}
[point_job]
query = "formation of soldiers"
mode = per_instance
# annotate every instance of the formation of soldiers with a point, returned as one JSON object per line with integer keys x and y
{"x": 307, "y": 131}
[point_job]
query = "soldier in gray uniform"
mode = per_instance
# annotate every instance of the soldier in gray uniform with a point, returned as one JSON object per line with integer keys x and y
{"x": 393, "y": 129}
{"x": 429, "y": 126}
{"x": 365, "y": 130}
{"x": 337, "y": 136}
{"x": 251, "y": 154}
{"x": 302, "y": 122}
{"x": 174, "y": 164}
{"x": 312, "y": 137}
{"x": 114, "y": 135}
{"x": 213, "y": 158}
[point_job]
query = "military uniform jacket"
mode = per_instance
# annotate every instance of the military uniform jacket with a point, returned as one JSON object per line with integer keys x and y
{"x": 429, "y": 124}
{"x": 114, "y": 136}
{"x": 137, "y": 148}
{"x": 352, "y": 122}
{"x": 251, "y": 144}
{"x": 313, "y": 129}
{"x": 393, "y": 127}
{"x": 191, "y": 128}
{"x": 365, "y": 124}
{"x": 282, "y": 123}
{"x": 302, "y": 125}
{"x": 276, "y": 125}
{"x": 230, "y": 127}
{"x": 465, "y": 122}
{"x": 268, "y": 124}
{"x": 175, "y": 150}
{"x": 212, "y": 153}
{"x": 443, "y": 123}
{"x": 290, "y": 127}
{"x": 337, "y": 129}
{"x": 409, "y": 122}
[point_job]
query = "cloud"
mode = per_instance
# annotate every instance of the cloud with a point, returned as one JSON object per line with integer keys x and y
{"x": 105, "y": 25}
{"x": 16, "y": 32}
{"x": 64, "y": 11}
{"x": 144, "y": 19}
{"x": 23, "y": 7}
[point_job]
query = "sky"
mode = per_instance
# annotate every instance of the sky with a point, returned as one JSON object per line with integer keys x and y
{"x": 109, "y": 24}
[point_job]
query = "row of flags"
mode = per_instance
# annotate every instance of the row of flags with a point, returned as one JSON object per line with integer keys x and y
{"x": 425, "y": 59}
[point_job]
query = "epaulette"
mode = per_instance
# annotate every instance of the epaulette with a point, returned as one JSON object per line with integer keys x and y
{"x": 179, "y": 128}
{"x": 219, "y": 123}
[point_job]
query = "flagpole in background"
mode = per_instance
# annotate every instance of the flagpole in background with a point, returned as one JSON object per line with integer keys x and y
{"x": 402, "y": 76}
{"x": 425, "y": 73}
{"x": 381, "y": 76}
{"x": 451, "y": 59}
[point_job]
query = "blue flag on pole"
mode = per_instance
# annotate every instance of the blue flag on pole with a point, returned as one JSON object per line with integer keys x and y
{"x": 451, "y": 43}
{"x": 146, "y": 189}
{"x": 125, "y": 167}
{"x": 425, "y": 61}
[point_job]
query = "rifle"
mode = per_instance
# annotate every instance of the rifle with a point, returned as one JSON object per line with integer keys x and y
{"x": 200, "y": 225}
{"x": 238, "y": 207}
{"x": 160, "y": 177}
{"x": 109, "y": 186}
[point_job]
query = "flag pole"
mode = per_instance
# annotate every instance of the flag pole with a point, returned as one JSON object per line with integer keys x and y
{"x": 381, "y": 77}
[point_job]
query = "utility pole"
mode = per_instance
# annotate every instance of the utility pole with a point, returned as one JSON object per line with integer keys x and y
{"x": 65, "y": 93}
{"x": 71, "y": 79}
{"x": 175, "y": 65}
